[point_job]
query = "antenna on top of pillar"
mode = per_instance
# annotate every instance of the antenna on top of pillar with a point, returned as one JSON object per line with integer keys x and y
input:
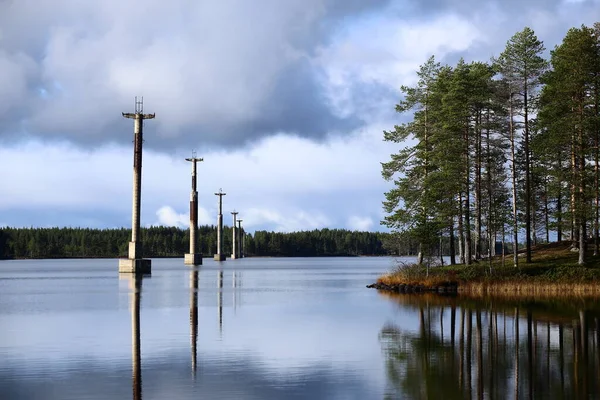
{"x": 139, "y": 105}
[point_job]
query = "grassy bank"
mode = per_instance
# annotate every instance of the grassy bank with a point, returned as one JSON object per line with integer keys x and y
{"x": 553, "y": 270}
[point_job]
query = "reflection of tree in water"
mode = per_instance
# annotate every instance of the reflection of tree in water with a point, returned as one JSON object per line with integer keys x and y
{"x": 468, "y": 349}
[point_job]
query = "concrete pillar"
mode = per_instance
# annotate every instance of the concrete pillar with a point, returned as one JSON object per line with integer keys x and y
{"x": 220, "y": 256}
{"x": 234, "y": 243}
{"x": 193, "y": 257}
{"x": 134, "y": 263}
{"x": 240, "y": 239}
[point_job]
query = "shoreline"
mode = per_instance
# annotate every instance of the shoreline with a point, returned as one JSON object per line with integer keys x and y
{"x": 496, "y": 289}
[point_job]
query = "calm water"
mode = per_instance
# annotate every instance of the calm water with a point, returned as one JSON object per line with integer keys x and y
{"x": 278, "y": 329}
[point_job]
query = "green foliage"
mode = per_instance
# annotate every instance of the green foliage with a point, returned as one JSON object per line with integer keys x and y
{"x": 174, "y": 242}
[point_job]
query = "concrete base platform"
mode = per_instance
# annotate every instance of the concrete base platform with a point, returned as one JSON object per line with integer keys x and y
{"x": 192, "y": 259}
{"x": 137, "y": 266}
{"x": 219, "y": 257}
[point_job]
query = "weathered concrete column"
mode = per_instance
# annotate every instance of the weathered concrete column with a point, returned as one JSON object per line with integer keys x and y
{"x": 220, "y": 256}
{"x": 234, "y": 253}
{"x": 134, "y": 263}
{"x": 193, "y": 257}
{"x": 240, "y": 239}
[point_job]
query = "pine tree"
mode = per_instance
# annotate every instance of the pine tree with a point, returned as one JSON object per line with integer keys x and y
{"x": 521, "y": 65}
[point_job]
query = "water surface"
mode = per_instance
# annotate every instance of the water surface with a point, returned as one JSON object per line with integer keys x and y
{"x": 275, "y": 328}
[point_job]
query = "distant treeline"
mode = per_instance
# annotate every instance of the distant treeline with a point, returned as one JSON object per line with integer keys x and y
{"x": 174, "y": 242}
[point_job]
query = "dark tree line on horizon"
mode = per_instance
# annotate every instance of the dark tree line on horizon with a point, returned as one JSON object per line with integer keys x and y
{"x": 174, "y": 242}
{"x": 505, "y": 148}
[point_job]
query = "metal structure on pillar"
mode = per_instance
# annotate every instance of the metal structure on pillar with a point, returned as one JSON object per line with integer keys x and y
{"x": 193, "y": 257}
{"x": 234, "y": 253}
{"x": 240, "y": 239}
{"x": 220, "y": 256}
{"x": 135, "y": 263}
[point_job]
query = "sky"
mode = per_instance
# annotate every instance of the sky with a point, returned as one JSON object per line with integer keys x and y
{"x": 286, "y": 102}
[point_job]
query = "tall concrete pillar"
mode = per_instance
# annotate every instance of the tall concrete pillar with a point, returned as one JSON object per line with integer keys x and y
{"x": 234, "y": 253}
{"x": 135, "y": 263}
{"x": 240, "y": 239}
{"x": 220, "y": 256}
{"x": 193, "y": 257}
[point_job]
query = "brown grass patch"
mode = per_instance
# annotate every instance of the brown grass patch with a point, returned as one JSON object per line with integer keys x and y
{"x": 401, "y": 279}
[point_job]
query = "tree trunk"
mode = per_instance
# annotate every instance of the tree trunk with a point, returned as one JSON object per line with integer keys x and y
{"x": 574, "y": 226}
{"x": 514, "y": 186}
{"x": 461, "y": 235}
{"x": 452, "y": 248}
{"x": 467, "y": 210}
{"x": 478, "y": 186}
{"x": 546, "y": 218}
{"x": 596, "y": 187}
{"x": 527, "y": 178}
{"x": 503, "y": 245}
{"x": 582, "y": 202}
{"x": 491, "y": 240}
{"x": 559, "y": 206}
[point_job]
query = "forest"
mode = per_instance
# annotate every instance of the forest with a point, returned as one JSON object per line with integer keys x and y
{"x": 16, "y": 243}
{"x": 505, "y": 150}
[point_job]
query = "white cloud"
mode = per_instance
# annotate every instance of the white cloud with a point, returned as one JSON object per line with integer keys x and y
{"x": 282, "y": 183}
{"x": 388, "y": 51}
{"x": 167, "y": 216}
{"x": 286, "y": 222}
{"x": 356, "y": 223}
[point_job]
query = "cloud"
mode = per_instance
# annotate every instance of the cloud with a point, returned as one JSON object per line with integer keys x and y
{"x": 167, "y": 216}
{"x": 356, "y": 223}
{"x": 297, "y": 220}
{"x": 281, "y": 183}
{"x": 215, "y": 73}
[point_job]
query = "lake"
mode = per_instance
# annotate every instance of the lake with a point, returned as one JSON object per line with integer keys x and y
{"x": 279, "y": 328}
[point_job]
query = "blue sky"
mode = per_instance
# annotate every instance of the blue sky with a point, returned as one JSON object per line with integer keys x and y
{"x": 285, "y": 101}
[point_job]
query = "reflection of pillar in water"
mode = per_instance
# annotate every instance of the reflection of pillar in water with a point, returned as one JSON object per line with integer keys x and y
{"x": 194, "y": 316}
{"x": 220, "y": 300}
{"x": 234, "y": 299}
{"x": 135, "y": 337}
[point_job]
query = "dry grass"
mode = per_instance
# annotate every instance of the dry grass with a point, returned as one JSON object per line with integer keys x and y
{"x": 554, "y": 271}
{"x": 432, "y": 280}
